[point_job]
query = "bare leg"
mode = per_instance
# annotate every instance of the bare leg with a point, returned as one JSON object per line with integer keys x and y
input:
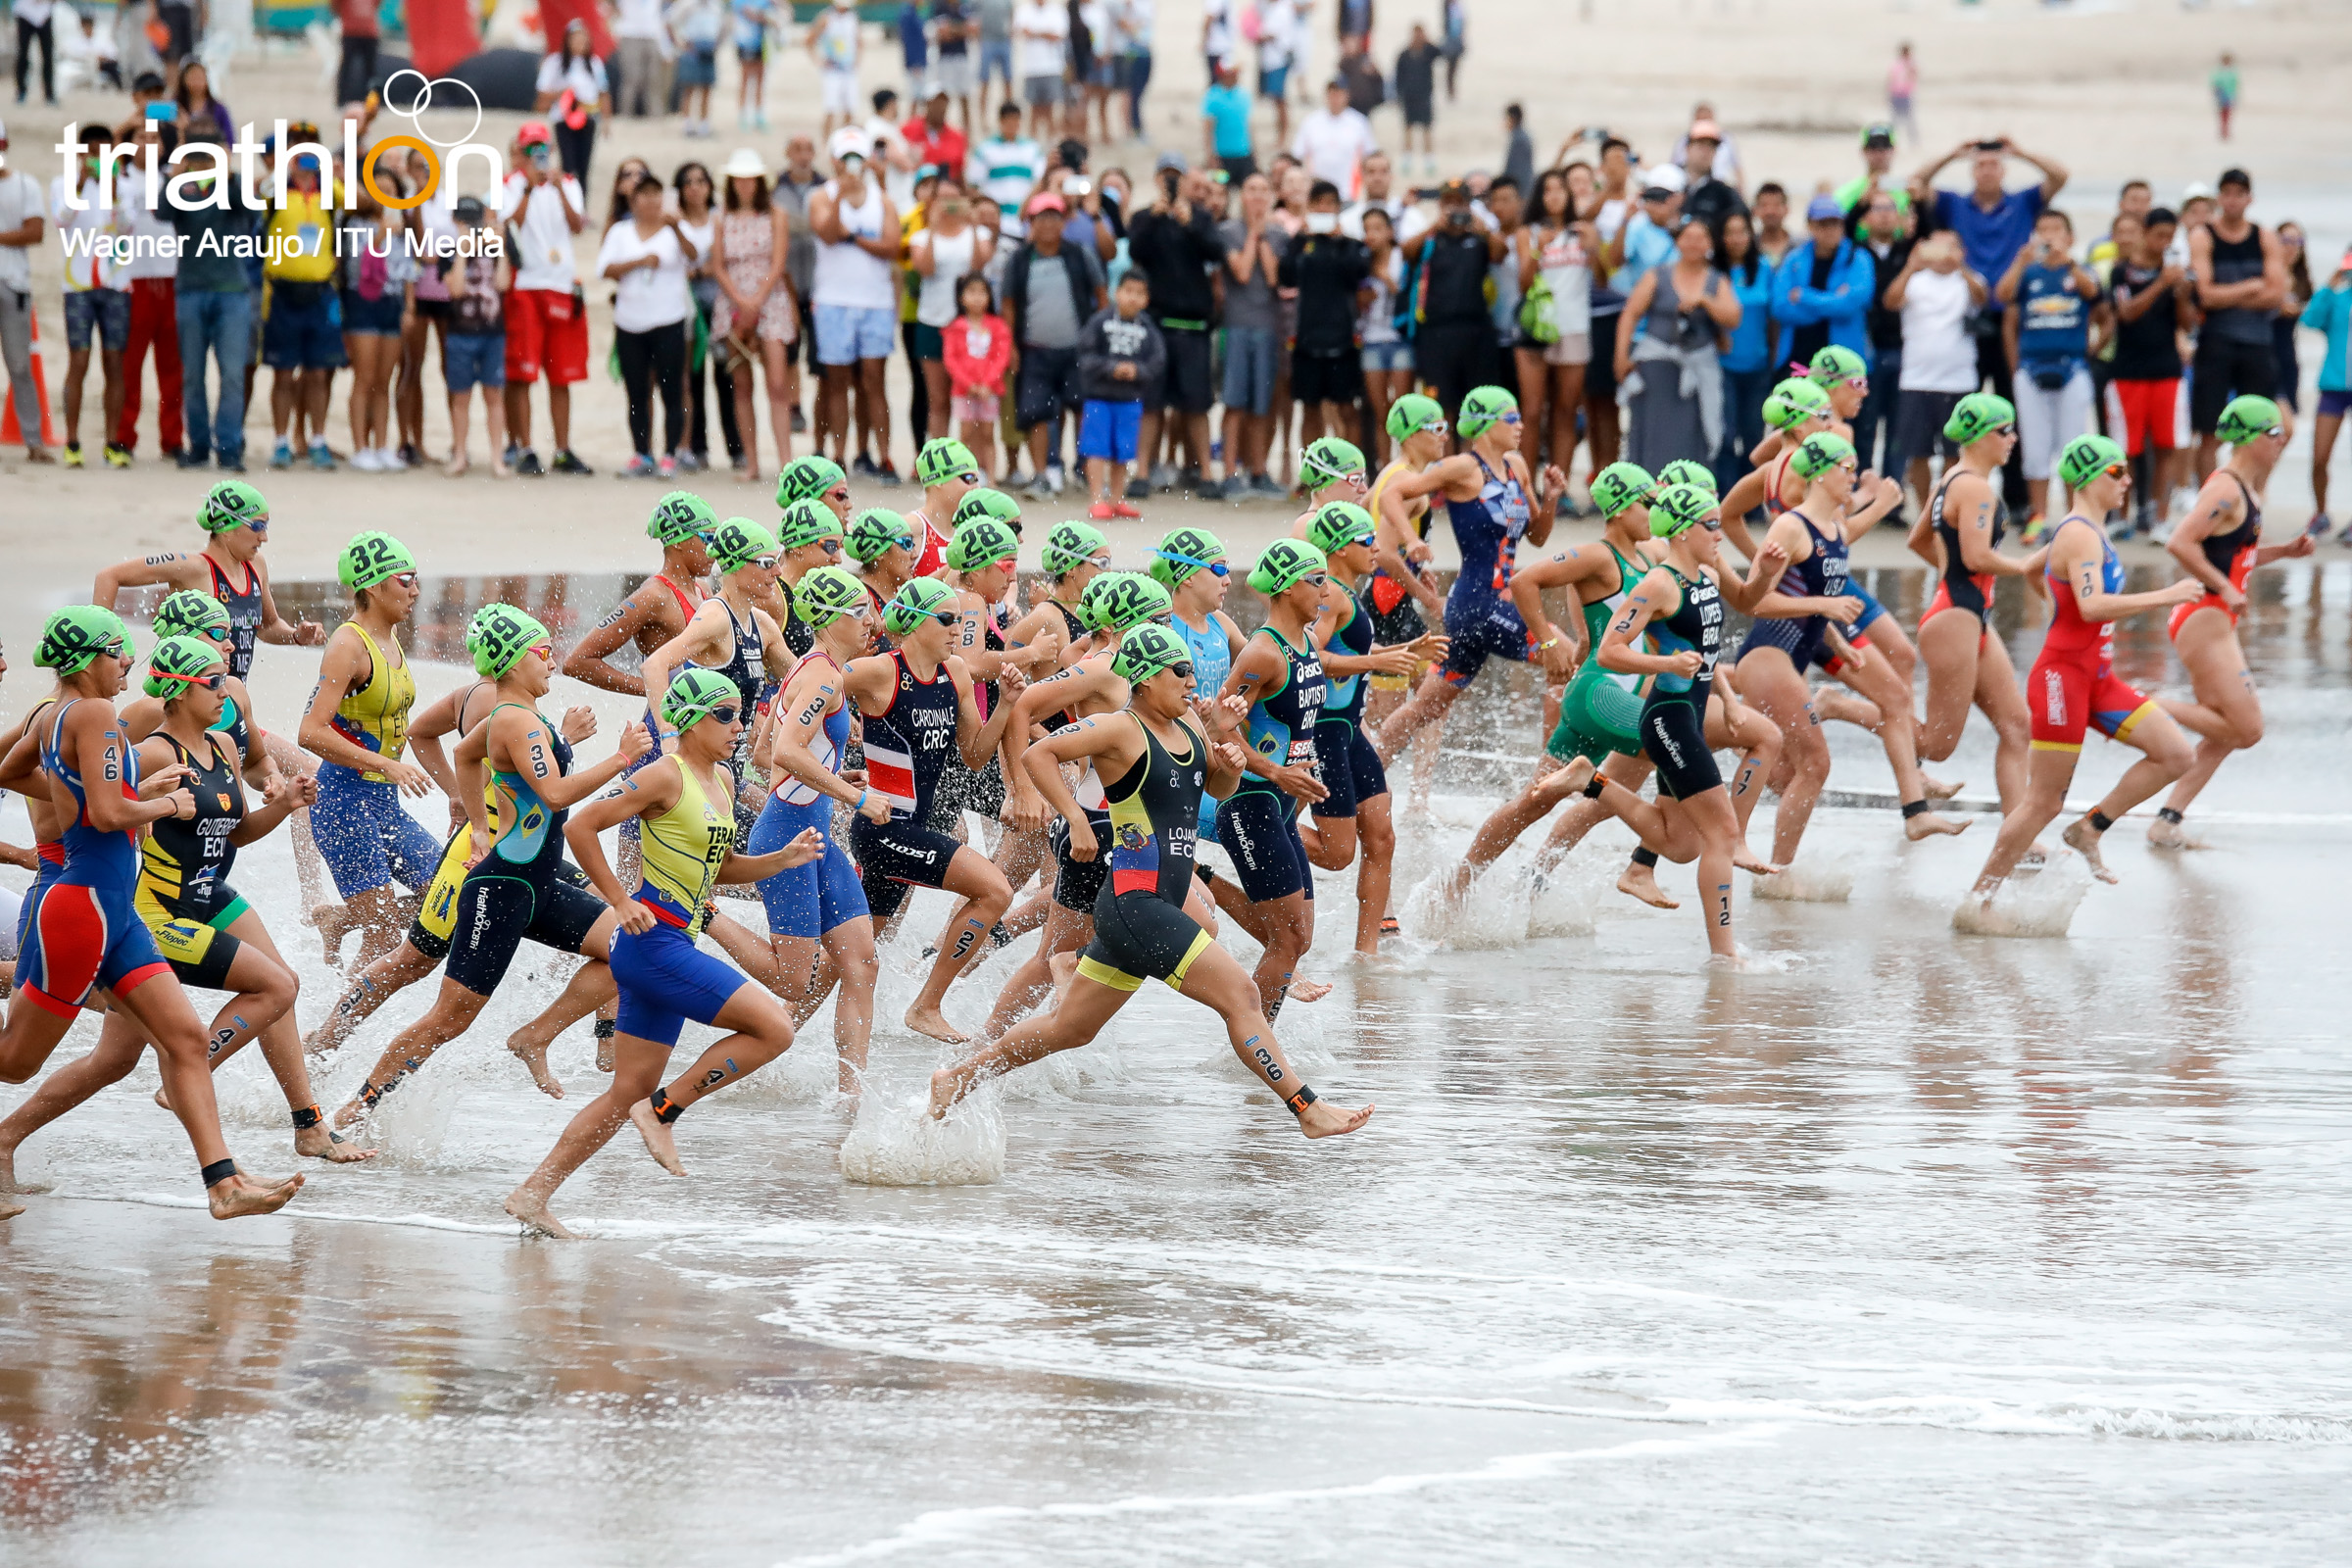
{"x": 1769, "y": 681}
{"x": 1066, "y": 931}
{"x": 1431, "y": 702}
{"x": 160, "y": 1010}
{"x": 452, "y": 1014}
{"x": 591, "y": 986}
{"x": 2217, "y": 666}
{"x": 376, "y": 985}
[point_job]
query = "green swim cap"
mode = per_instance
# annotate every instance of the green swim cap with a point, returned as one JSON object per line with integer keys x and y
{"x": 1119, "y": 600}
{"x": 1676, "y": 508}
{"x": 1793, "y": 401}
{"x": 191, "y": 613}
{"x": 1977, "y": 415}
{"x": 943, "y": 460}
{"x": 987, "y": 503}
{"x": 1283, "y": 564}
{"x": 2247, "y": 419}
{"x": 177, "y": 662}
{"x": 694, "y": 694}
{"x": 917, "y": 599}
{"x": 1184, "y": 552}
{"x": 824, "y": 596}
{"x": 1833, "y": 365}
{"x": 1413, "y": 414}
{"x": 1621, "y": 485}
{"x": 1339, "y": 525}
{"x": 2086, "y": 457}
{"x": 739, "y": 541}
{"x": 807, "y": 478}
{"x": 1329, "y": 461}
{"x": 231, "y": 503}
{"x": 679, "y": 517}
{"x": 1689, "y": 470}
{"x": 1481, "y": 407}
{"x": 1072, "y": 545}
{"x": 873, "y": 531}
{"x": 1147, "y": 651}
{"x": 370, "y": 557}
{"x": 1818, "y": 453}
{"x": 806, "y": 523}
{"x": 74, "y": 637}
{"x": 498, "y": 636}
{"x": 981, "y": 542}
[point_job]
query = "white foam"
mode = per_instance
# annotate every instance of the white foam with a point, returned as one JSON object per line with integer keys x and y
{"x": 1493, "y": 913}
{"x": 896, "y": 1143}
{"x": 1824, "y": 879}
{"x": 1568, "y": 903}
{"x": 1744, "y": 961}
{"x": 2038, "y": 905}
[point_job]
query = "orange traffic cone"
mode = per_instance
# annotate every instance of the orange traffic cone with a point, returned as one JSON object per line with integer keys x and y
{"x": 9, "y": 433}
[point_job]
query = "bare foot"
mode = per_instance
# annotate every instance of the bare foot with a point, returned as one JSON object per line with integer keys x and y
{"x": 8, "y": 1176}
{"x": 660, "y": 1142}
{"x": 502, "y": 470}
{"x": 1747, "y": 859}
{"x": 604, "y": 1052}
{"x": 2163, "y": 835}
{"x": 536, "y": 1220}
{"x": 455, "y": 468}
{"x": 943, "y": 1093}
{"x": 931, "y": 1021}
{"x": 1323, "y": 1119}
{"x": 242, "y": 1195}
{"x": 1309, "y": 990}
{"x": 333, "y": 922}
{"x": 1570, "y": 780}
{"x": 8, "y": 1211}
{"x": 534, "y": 1056}
{"x": 2081, "y": 838}
{"x": 2034, "y": 858}
{"x": 1640, "y": 882}
{"x": 1928, "y": 825}
{"x": 161, "y": 1101}
{"x": 1936, "y": 789}
{"x": 316, "y": 1143}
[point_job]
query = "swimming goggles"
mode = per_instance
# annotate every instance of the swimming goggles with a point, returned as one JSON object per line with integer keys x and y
{"x": 1215, "y": 568}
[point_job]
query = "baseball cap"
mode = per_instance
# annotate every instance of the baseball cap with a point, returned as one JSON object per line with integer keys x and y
{"x": 470, "y": 210}
{"x": 1824, "y": 209}
{"x": 1704, "y": 131}
{"x": 1880, "y": 135}
{"x": 1047, "y": 202}
{"x": 1171, "y": 161}
{"x": 534, "y": 133}
{"x": 2236, "y": 177}
{"x": 1666, "y": 178}
{"x": 2194, "y": 191}
{"x": 848, "y": 142}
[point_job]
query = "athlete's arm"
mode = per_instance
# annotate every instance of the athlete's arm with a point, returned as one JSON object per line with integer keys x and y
{"x": 1745, "y": 594}
{"x": 1749, "y": 492}
{"x": 20, "y": 773}
{"x": 2076, "y": 560}
{"x": 2301, "y": 546}
{"x": 697, "y": 644}
{"x": 814, "y": 693}
{"x": 280, "y": 799}
{"x": 259, "y": 766}
{"x": 2216, "y": 510}
{"x": 1064, "y": 689}
{"x": 425, "y": 730}
{"x": 346, "y": 666}
{"x": 469, "y": 797}
{"x": 1548, "y": 487}
{"x": 1112, "y": 747}
{"x": 1621, "y": 645}
{"x": 1883, "y": 500}
{"x": 1447, "y": 477}
{"x": 1564, "y": 649}
{"x": 588, "y": 658}
{"x": 522, "y": 736}
{"x": 977, "y": 740}
{"x": 1256, "y": 670}
{"x": 1977, "y": 553}
{"x": 1788, "y": 536}
{"x": 94, "y": 739}
{"x": 1763, "y": 451}
{"x": 172, "y": 569}
{"x": 971, "y": 643}
{"x": 806, "y": 844}
{"x": 275, "y": 627}
{"x": 646, "y": 794}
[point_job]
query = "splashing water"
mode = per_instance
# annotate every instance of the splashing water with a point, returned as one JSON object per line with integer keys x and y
{"x": 2038, "y": 905}
{"x": 896, "y": 1143}
{"x": 1824, "y": 879}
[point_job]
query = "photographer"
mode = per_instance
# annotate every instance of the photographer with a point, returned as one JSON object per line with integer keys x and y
{"x": 547, "y": 322}
{"x": 1451, "y": 346}
{"x": 1176, "y": 244}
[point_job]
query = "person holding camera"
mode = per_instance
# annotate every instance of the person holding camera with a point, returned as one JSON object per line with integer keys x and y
{"x": 1175, "y": 241}
{"x": 1934, "y": 297}
{"x": 2046, "y": 339}
{"x": 1452, "y": 343}
{"x": 546, "y": 315}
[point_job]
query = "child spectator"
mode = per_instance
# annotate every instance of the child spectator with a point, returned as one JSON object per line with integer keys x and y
{"x": 978, "y": 349}
{"x": 1120, "y": 355}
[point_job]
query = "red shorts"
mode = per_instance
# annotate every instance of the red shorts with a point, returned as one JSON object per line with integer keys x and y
{"x": 546, "y": 331}
{"x": 2146, "y": 412}
{"x": 2065, "y": 697}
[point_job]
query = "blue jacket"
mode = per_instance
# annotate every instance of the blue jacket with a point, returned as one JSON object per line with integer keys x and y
{"x": 1844, "y": 304}
{"x": 1751, "y": 346}
{"x": 2330, "y": 312}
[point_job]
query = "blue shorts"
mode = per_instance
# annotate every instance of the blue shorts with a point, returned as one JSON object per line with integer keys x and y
{"x": 995, "y": 60}
{"x": 80, "y": 937}
{"x": 303, "y": 337}
{"x": 366, "y": 838}
{"x": 45, "y": 874}
{"x": 1252, "y": 357}
{"x": 1350, "y": 768}
{"x": 1270, "y": 83}
{"x": 807, "y": 901}
{"x": 473, "y": 358}
{"x": 1481, "y": 626}
{"x": 371, "y": 317}
{"x": 1258, "y": 829}
{"x": 664, "y": 979}
{"x": 1380, "y": 357}
{"x": 1872, "y": 609}
{"x": 697, "y": 66}
{"x": 103, "y": 311}
{"x": 848, "y": 333}
{"x": 1110, "y": 431}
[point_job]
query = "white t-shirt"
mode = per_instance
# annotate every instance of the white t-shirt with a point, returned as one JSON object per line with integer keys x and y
{"x": 1046, "y": 56}
{"x": 1278, "y": 28}
{"x": 1220, "y": 37}
{"x": 84, "y": 269}
{"x": 152, "y": 235}
{"x": 1403, "y": 217}
{"x": 1334, "y": 147}
{"x": 837, "y": 39}
{"x": 1939, "y": 355}
{"x": 641, "y": 18}
{"x": 20, "y": 199}
{"x": 584, "y": 77}
{"x": 544, "y": 259}
{"x": 649, "y": 296}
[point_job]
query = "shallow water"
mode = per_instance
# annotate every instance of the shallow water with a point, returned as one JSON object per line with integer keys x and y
{"x": 1926, "y": 1247}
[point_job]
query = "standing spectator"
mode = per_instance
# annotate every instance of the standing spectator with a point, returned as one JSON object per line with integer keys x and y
{"x": 1334, "y": 141}
{"x": 1217, "y": 34}
{"x": 2046, "y": 297}
{"x": 1707, "y": 197}
{"x": 1456, "y": 24}
{"x": 834, "y": 44}
{"x": 1724, "y": 164}
{"x": 198, "y": 107}
{"x": 1042, "y": 34}
{"x": 1091, "y": 68}
{"x": 154, "y": 301}
{"x": 696, "y": 25}
{"x": 95, "y": 50}
{"x": 377, "y": 286}
{"x": 949, "y": 249}
{"x": 300, "y": 342}
{"x": 1406, "y": 222}
{"x": 2224, "y": 90}
{"x": 642, "y": 47}
{"x": 977, "y": 349}
{"x": 1885, "y": 232}
{"x": 996, "y": 48}
{"x": 1646, "y": 240}
{"x": 1417, "y": 95}
{"x": 1278, "y": 44}
{"x": 1386, "y": 356}
{"x": 1452, "y": 343}
{"x": 212, "y": 315}
{"x": 1132, "y": 20}
{"x": 1120, "y": 356}
{"x": 1671, "y": 376}
{"x": 1354, "y": 21}
{"x": 1902, "y": 82}
{"x": 1554, "y": 251}
{"x": 37, "y": 25}
{"x": 431, "y": 223}
{"x": 2292, "y": 245}
{"x": 24, "y": 220}
{"x": 1253, "y": 249}
{"x": 1878, "y": 163}
{"x": 178, "y": 18}
{"x": 2241, "y": 283}
{"x": 752, "y": 20}
{"x": 1747, "y": 362}
{"x": 888, "y": 153}
{"x": 757, "y": 317}
{"x": 2136, "y": 200}
{"x": 953, "y": 29}
{"x": 930, "y": 140}
{"x": 1050, "y": 291}
{"x": 1176, "y": 242}
{"x": 473, "y": 350}
{"x": 2154, "y": 301}
{"x": 2330, "y": 312}
{"x": 648, "y": 257}
{"x": 697, "y": 196}
{"x": 1506, "y": 212}
{"x": 1007, "y": 165}
{"x": 363, "y": 36}
{"x": 573, "y": 90}
{"x": 1935, "y": 294}
{"x": 857, "y": 301}
{"x": 1773, "y": 239}
{"x": 1367, "y": 90}
{"x": 1328, "y": 270}
{"x": 914, "y": 49}
{"x": 1993, "y": 224}
{"x": 1518, "y": 149}
{"x": 1821, "y": 292}
{"x": 546, "y": 320}
{"x": 97, "y": 301}
{"x": 793, "y": 189}
{"x": 1225, "y": 127}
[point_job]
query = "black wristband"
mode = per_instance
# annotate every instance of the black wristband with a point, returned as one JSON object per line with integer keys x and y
{"x": 218, "y": 1171}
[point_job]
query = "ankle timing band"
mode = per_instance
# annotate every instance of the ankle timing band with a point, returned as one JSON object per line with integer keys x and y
{"x": 1644, "y": 856}
{"x": 306, "y": 1118}
{"x": 2100, "y": 821}
{"x": 1915, "y": 809}
{"x": 218, "y": 1171}
{"x": 1593, "y": 789}
{"x": 2165, "y": 814}
{"x": 1298, "y": 1102}
{"x": 665, "y": 1110}
{"x": 606, "y": 1028}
